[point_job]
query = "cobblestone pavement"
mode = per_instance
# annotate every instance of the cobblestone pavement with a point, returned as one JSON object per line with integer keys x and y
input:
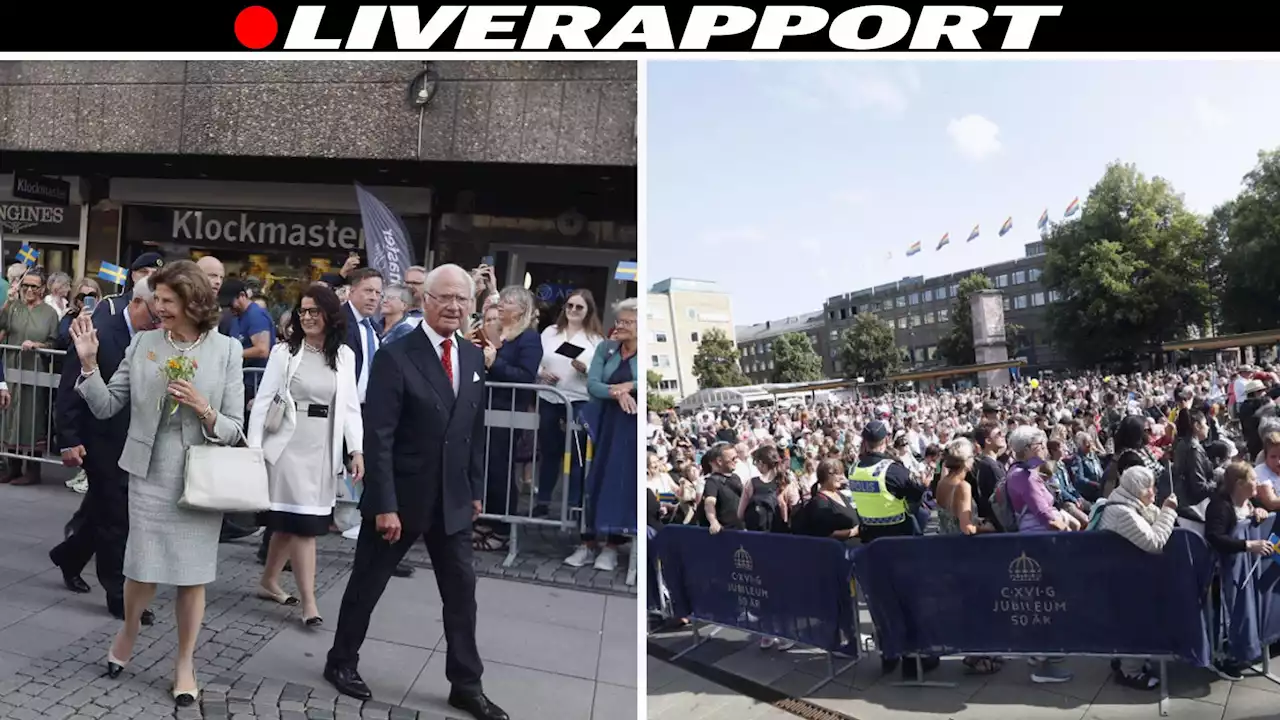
{"x": 53, "y": 642}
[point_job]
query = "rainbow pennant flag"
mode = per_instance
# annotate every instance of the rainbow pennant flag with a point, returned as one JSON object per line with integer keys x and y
{"x": 913, "y": 249}
{"x": 1073, "y": 208}
{"x": 1007, "y": 226}
{"x": 1044, "y": 220}
{"x": 946, "y": 240}
{"x": 973, "y": 235}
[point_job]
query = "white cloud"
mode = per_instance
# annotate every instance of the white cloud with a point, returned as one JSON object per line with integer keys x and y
{"x": 1210, "y": 115}
{"x": 887, "y": 88}
{"x": 739, "y": 236}
{"x": 974, "y": 136}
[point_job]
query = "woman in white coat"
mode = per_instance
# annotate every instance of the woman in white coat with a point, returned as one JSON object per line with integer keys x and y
{"x": 306, "y": 408}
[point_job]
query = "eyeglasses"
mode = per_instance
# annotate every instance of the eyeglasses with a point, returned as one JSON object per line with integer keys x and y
{"x": 574, "y": 306}
{"x": 625, "y": 323}
{"x": 310, "y": 312}
{"x": 459, "y": 300}
{"x": 29, "y": 286}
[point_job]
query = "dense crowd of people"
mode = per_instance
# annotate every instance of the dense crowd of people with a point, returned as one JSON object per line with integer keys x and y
{"x": 1135, "y": 455}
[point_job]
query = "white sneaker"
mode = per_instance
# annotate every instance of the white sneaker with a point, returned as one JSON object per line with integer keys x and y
{"x": 607, "y": 560}
{"x": 785, "y": 645}
{"x": 766, "y": 643}
{"x": 580, "y": 557}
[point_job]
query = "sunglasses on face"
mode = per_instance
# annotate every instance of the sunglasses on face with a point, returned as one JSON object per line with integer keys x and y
{"x": 29, "y": 286}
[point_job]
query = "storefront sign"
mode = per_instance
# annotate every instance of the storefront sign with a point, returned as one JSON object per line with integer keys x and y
{"x": 249, "y": 229}
{"x": 39, "y": 188}
{"x": 32, "y": 220}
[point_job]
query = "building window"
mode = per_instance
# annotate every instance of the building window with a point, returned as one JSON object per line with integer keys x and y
{"x": 659, "y": 337}
{"x": 692, "y": 313}
{"x": 942, "y": 315}
{"x": 759, "y": 349}
{"x": 1002, "y": 281}
{"x": 1020, "y": 302}
{"x": 1019, "y": 277}
{"x": 1037, "y": 299}
{"x": 902, "y": 323}
{"x": 901, "y": 301}
{"x": 693, "y": 337}
{"x": 914, "y": 298}
{"x": 888, "y": 305}
{"x": 770, "y": 364}
{"x": 667, "y": 385}
{"x": 1034, "y": 274}
{"x": 1006, "y": 303}
{"x": 832, "y": 314}
{"x": 915, "y": 321}
{"x": 919, "y": 354}
{"x": 955, "y": 291}
{"x": 931, "y": 353}
{"x": 929, "y": 318}
{"x": 1054, "y": 296}
{"x": 928, "y": 296}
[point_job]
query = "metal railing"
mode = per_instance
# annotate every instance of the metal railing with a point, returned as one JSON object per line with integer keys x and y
{"x": 28, "y": 424}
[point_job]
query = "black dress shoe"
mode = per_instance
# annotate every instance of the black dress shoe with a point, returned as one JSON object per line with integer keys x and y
{"x": 74, "y": 582}
{"x": 403, "y": 570}
{"x": 117, "y": 611}
{"x": 480, "y": 707}
{"x": 348, "y": 682}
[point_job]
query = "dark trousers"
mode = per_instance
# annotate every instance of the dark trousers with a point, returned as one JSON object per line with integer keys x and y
{"x": 551, "y": 439}
{"x": 374, "y": 562}
{"x": 102, "y": 531}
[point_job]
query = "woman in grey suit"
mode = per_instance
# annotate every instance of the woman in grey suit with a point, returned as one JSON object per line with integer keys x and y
{"x": 167, "y": 544}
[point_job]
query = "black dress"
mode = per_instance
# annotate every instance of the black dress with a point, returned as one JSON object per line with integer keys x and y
{"x": 762, "y": 510}
{"x": 824, "y": 516}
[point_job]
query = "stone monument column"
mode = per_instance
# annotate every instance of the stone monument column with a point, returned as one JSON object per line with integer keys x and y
{"x": 987, "y": 307}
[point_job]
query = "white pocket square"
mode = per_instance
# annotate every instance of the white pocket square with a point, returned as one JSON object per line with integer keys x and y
{"x": 475, "y": 377}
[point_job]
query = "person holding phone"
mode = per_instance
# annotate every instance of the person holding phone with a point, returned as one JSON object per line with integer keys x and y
{"x": 567, "y": 349}
{"x": 85, "y": 298}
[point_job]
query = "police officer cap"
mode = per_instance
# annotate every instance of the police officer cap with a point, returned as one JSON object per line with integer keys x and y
{"x": 147, "y": 261}
{"x": 875, "y": 431}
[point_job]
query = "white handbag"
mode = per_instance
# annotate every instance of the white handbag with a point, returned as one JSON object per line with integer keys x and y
{"x": 225, "y": 479}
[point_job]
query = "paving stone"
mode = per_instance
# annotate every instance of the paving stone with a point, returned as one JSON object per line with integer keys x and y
{"x": 319, "y": 714}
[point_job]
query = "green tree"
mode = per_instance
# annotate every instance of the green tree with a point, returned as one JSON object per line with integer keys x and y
{"x": 716, "y": 362}
{"x": 1247, "y": 232}
{"x": 794, "y": 359}
{"x": 956, "y": 347}
{"x": 1130, "y": 270}
{"x": 655, "y": 401}
{"x": 868, "y": 350}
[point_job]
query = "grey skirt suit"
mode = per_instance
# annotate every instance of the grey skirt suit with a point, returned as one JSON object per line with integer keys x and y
{"x": 167, "y": 544}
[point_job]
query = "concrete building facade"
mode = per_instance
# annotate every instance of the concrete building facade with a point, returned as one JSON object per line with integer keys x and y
{"x": 755, "y": 342}
{"x": 529, "y": 164}
{"x": 680, "y": 313}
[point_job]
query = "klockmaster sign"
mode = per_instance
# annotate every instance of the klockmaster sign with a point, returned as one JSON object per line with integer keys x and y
{"x": 252, "y": 230}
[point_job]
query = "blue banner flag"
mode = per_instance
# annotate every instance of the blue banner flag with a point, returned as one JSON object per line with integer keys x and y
{"x": 626, "y": 271}
{"x": 386, "y": 239}
{"x": 1050, "y": 593}
{"x": 113, "y": 273}
{"x": 787, "y": 586}
{"x": 28, "y": 254}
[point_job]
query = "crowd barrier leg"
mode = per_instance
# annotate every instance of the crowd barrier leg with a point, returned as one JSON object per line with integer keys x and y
{"x": 698, "y": 639}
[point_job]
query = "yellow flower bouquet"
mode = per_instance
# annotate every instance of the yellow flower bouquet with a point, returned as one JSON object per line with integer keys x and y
{"x": 178, "y": 367}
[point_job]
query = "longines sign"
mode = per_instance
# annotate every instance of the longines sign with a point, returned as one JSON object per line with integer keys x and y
{"x": 251, "y": 229}
{"x": 30, "y": 220}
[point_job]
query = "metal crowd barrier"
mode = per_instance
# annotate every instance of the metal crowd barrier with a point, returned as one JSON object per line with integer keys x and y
{"x": 28, "y": 424}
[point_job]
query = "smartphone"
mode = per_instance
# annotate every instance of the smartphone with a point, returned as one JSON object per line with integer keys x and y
{"x": 487, "y": 261}
{"x": 90, "y": 303}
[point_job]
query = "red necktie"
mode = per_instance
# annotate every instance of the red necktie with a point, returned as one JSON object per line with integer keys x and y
{"x": 446, "y": 358}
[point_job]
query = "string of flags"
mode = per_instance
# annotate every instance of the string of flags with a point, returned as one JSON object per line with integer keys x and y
{"x": 626, "y": 271}
{"x": 113, "y": 273}
{"x": 1073, "y": 208}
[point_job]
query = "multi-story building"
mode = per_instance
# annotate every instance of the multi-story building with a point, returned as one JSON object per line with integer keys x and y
{"x": 680, "y": 313}
{"x": 919, "y": 310}
{"x": 755, "y": 342}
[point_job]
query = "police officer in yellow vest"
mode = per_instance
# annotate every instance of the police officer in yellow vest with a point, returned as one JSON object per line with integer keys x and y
{"x": 883, "y": 491}
{"x": 883, "y": 488}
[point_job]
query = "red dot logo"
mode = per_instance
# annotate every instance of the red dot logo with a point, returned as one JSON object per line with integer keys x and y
{"x": 256, "y": 27}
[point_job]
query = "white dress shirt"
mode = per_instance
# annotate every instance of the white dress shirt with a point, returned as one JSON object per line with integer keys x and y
{"x": 572, "y": 383}
{"x": 437, "y": 342}
{"x": 369, "y": 343}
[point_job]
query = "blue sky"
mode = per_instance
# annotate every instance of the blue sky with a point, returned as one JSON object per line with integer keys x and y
{"x": 790, "y": 182}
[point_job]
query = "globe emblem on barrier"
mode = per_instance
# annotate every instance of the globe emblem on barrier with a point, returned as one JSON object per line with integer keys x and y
{"x": 742, "y": 560}
{"x": 1024, "y": 570}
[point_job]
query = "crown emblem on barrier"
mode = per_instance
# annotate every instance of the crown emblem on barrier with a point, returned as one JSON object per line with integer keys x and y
{"x": 742, "y": 560}
{"x": 1024, "y": 570}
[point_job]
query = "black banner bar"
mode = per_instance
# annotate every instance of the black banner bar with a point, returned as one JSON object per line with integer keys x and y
{"x": 485, "y": 29}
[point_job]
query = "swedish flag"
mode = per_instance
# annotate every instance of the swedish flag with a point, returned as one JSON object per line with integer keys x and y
{"x": 626, "y": 271}
{"x": 28, "y": 254}
{"x": 113, "y": 273}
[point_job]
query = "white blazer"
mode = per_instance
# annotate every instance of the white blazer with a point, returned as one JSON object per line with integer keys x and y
{"x": 347, "y": 422}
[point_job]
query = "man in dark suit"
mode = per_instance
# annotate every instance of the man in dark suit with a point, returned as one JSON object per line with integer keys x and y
{"x": 96, "y": 445}
{"x": 424, "y": 477}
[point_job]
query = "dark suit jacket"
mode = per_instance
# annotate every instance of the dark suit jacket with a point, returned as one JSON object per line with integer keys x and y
{"x": 424, "y": 447}
{"x": 103, "y": 439}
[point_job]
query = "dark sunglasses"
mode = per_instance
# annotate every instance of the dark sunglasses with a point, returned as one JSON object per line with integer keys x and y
{"x": 574, "y": 306}
{"x": 29, "y": 286}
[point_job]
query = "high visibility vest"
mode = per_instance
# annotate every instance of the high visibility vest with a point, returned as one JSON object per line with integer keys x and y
{"x": 875, "y": 504}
